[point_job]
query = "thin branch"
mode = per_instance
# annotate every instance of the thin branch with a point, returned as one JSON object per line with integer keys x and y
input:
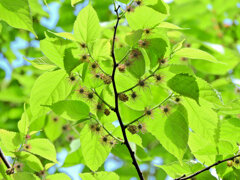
{"x": 112, "y": 108}
{"x": 126, "y": 142}
{"x": 109, "y": 133}
{"x": 124, "y": 57}
{"x": 140, "y": 117}
{"x": 7, "y": 164}
{"x": 205, "y": 169}
{"x": 131, "y": 88}
{"x": 96, "y": 62}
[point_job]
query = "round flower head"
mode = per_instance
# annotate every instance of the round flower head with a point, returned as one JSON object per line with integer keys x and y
{"x": 166, "y": 109}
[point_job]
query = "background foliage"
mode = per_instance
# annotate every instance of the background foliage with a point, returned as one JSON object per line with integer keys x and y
{"x": 179, "y": 59}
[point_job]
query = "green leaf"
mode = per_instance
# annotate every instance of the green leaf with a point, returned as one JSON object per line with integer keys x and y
{"x": 185, "y": 85}
{"x": 58, "y": 176}
{"x": 196, "y": 54}
{"x": 178, "y": 46}
{"x": 65, "y": 35}
{"x": 137, "y": 68}
{"x": 168, "y": 25}
{"x": 99, "y": 176}
{"x": 171, "y": 131}
{"x": 42, "y": 63}
{"x": 17, "y": 14}
{"x": 48, "y": 89}
{"x": 93, "y": 150}
{"x": 31, "y": 161}
{"x": 100, "y": 49}
{"x": 54, "y": 49}
{"x": 87, "y": 27}
{"x": 180, "y": 68}
{"x": 43, "y": 148}
{"x": 70, "y": 62}
{"x": 74, "y": 158}
{"x": 132, "y": 38}
{"x": 53, "y": 129}
{"x": 74, "y": 2}
{"x": 144, "y": 17}
{"x": 176, "y": 170}
{"x": 24, "y": 123}
{"x": 25, "y": 175}
{"x": 36, "y": 8}
{"x": 204, "y": 123}
{"x": 9, "y": 141}
{"x": 71, "y": 109}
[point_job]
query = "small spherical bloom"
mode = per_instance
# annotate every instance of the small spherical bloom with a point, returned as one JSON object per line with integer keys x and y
{"x": 166, "y": 109}
{"x": 134, "y": 54}
{"x": 143, "y": 43}
{"x": 132, "y": 129}
{"x": 18, "y": 166}
{"x": 142, "y": 127}
{"x": 27, "y": 147}
{"x": 104, "y": 139}
{"x": 106, "y": 112}
{"x": 134, "y": 95}
{"x": 123, "y": 97}
{"x": 230, "y": 163}
{"x": 122, "y": 67}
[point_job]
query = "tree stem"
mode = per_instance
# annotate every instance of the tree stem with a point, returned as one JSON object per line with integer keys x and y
{"x": 7, "y": 164}
{"x": 126, "y": 142}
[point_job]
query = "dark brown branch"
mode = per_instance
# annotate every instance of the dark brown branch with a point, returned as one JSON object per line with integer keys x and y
{"x": 132, "y": 154}
{"x": 140, "y": 117}
{"x": 7, "y": 164}
{"x": 207, "y": 168}
{"x": 131, "y": 88}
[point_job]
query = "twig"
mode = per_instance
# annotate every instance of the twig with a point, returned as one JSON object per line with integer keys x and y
{"x": 124, "y": 57}
{"x": 96, "y": 62}
{"x": 132, "y": 154}
{"x": 135, "y": 120}
{"x": 207, "y": 168}
{"x": 112, "y": 108}
{"x": 131, "y": 88}
{"x": 109, "y": 133}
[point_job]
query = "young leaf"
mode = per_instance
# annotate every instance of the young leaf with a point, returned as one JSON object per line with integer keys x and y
{"x": 31, "y": 161}
{"x": 42, "y": 63}
{"x": 87, "y": 27}
{"x": 42, "y": 147}
{"x": 24, "y": 123}
{"x": 185, "y": 85}
{"x": 17, "y": 14}
{"x": 93, "y": 150}
{"x": 196, "y": 54}
{"x": 171, "y": 131}
{"x": 53, "y": 129}
{"x": 48, "y": 89}
{"x": 9, "y": 141}
{"x": 71, "y": 109}
{"x": 54, "y": 49}
{"x": 144, "y": 17}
